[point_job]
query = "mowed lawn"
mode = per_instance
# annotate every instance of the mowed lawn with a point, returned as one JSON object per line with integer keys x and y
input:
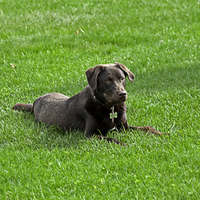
{"x": 47, "y": 45}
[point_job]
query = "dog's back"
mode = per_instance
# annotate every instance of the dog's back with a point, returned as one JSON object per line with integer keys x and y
{"x": 58, "y": 109}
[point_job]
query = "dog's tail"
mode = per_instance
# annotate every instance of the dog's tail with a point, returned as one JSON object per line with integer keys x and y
{"x": 23, "y": 107}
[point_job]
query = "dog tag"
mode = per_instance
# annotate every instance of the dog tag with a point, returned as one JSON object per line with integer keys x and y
{"x": 113, "y": 115}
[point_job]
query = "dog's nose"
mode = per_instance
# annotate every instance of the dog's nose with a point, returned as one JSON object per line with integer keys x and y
{"x": 122, "y": 93}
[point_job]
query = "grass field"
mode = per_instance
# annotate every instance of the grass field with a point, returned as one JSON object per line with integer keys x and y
{"x": 46, "y": 46}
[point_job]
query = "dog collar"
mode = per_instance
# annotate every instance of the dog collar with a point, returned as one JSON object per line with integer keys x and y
{"x": 97, "y": 101}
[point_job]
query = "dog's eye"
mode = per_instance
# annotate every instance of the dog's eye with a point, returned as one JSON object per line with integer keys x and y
{"x": 110, "y": 79}
{"x": 121, "y": 78}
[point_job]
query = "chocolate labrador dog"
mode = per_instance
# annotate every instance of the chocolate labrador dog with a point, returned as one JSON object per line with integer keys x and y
{"x": 96, "y": 110}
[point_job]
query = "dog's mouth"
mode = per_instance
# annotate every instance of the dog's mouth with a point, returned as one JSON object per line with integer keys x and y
{"x": 111, "y": 99}
{"x": 115, "y": 101}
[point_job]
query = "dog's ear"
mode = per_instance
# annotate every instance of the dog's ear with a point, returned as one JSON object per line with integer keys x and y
{"x": 92, "y": 75}
{"x": 130, "y": 75}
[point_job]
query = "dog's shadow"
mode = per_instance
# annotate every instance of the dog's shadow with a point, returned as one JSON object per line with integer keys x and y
{"x": 53, "y": 137}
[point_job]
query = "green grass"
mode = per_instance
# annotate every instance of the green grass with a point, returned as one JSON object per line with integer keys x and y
{"x": 159, "y": 41}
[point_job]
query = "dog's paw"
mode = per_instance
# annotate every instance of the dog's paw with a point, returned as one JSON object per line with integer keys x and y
{"x": 152, "y": 130}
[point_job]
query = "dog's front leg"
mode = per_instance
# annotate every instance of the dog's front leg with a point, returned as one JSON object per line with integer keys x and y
{"x": 110, "y": 140}
{"x": 101, "y": 137}
{"x": 91, "y": 130}
{"x": 147, "y": 129}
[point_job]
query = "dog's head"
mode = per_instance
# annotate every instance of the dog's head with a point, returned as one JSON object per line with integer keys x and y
{"x": 108, "y": 82}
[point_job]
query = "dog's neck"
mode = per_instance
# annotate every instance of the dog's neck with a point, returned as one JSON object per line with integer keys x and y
{"x": 113, "y": 114}
{"x": 97, "y": 100}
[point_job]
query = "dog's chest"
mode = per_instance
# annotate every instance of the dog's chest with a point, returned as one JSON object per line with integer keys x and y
{"x": 105, "y": 119}
{"x": 108, "y": 120}
{"x": 107, "y": 123}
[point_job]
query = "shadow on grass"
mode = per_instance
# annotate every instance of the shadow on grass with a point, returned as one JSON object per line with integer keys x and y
{"x": 168, "y": 79}
{"x": 53, "y": 137}
{"x": 27, "y": 132}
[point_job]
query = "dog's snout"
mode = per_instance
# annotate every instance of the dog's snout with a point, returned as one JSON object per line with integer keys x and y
{"x": 122, "y": 93}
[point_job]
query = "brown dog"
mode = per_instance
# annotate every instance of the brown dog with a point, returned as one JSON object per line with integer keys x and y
{"x": 96, "y": 110}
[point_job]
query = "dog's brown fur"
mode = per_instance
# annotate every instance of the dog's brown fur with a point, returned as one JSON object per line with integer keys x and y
{"x": 89, "y": 111}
